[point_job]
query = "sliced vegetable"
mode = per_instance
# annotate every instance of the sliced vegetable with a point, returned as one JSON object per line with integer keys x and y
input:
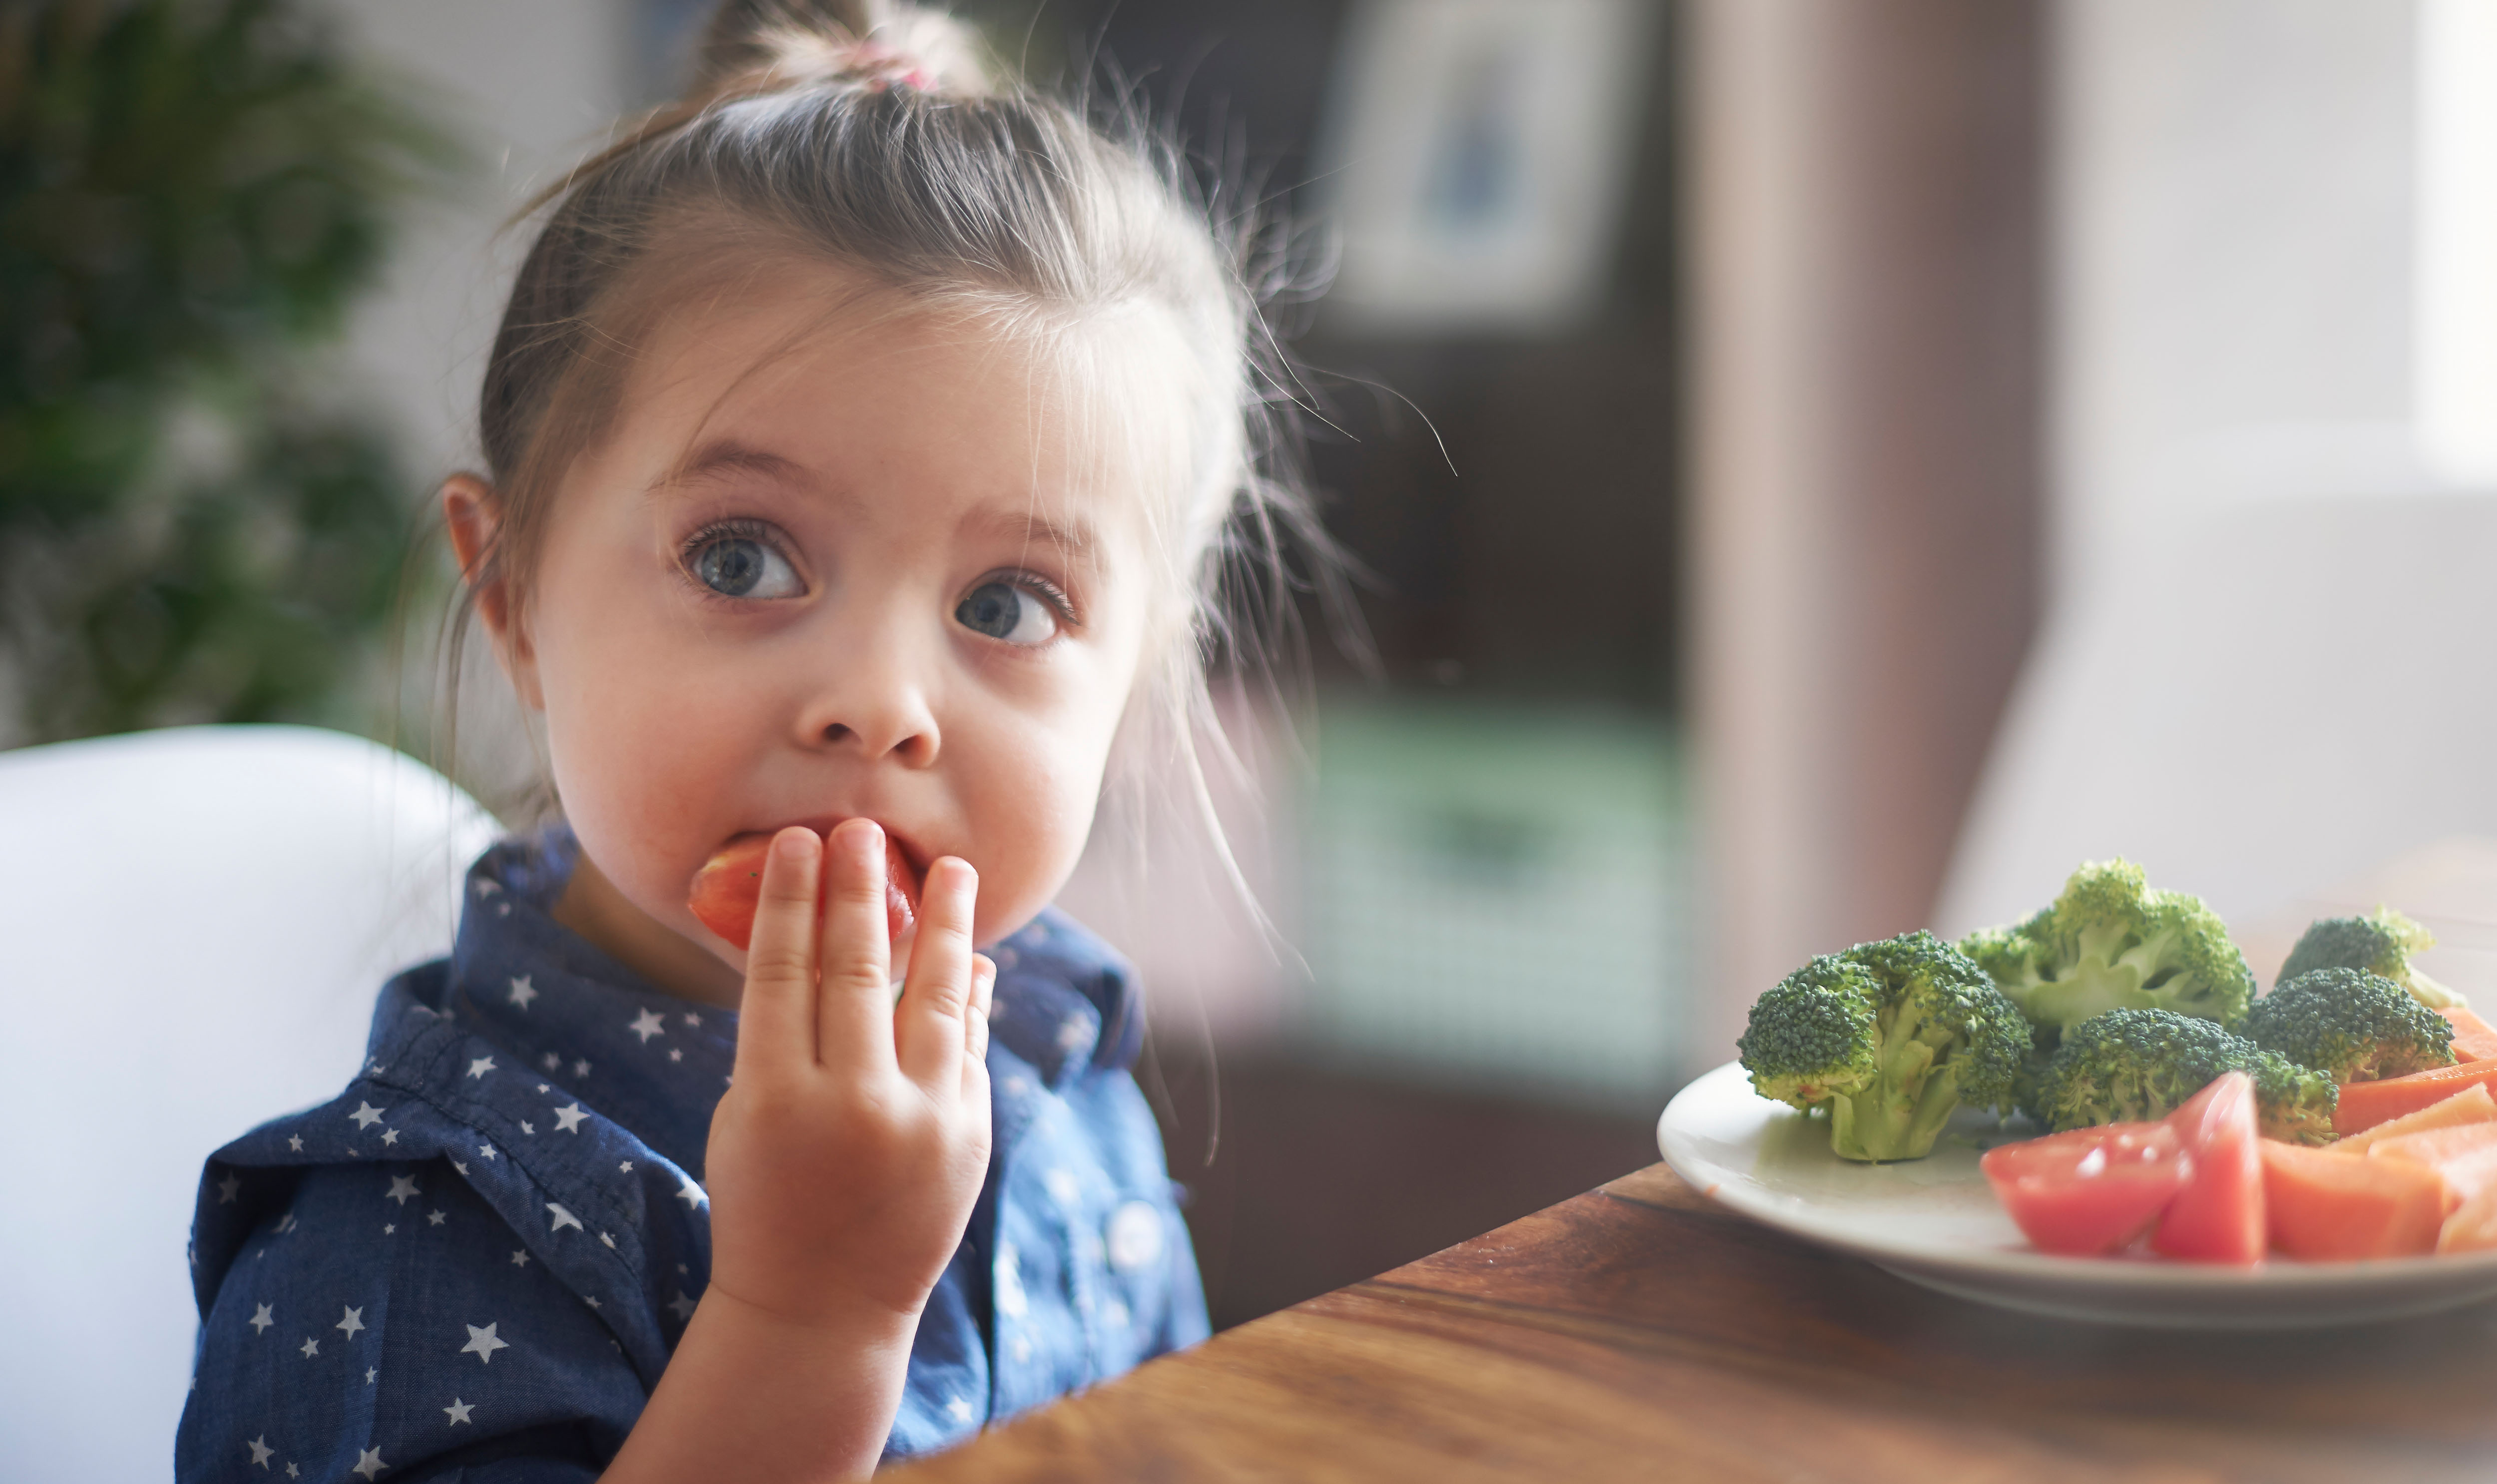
{"x": 2091, "y": 1189}
{"x": 729, "y": 888}
{"x": 2217, "y": 1217}
{"x": 2323, "y": 1206}
{"x": 2470, "y": 1105}
{"x": 2365, "y": 1104}
{"x": 2474, "y": 1039}
{"x": 2473, "y": 1227}
{"x": 2437, "y": 1145}
{"x": 2464, "y": 1159}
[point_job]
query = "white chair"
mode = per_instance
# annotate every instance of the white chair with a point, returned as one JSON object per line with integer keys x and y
{"x": 193, "y": 924}
{"x": 2274, "y": 695}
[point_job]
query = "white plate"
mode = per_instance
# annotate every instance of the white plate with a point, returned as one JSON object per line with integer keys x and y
{"x": 1935, "y": 1222}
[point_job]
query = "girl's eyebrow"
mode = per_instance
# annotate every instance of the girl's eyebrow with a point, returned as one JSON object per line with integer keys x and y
{"x": 727, "y": 456}
{"x": 1073, "y": 539}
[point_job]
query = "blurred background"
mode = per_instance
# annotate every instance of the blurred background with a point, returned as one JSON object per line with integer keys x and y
{"x": 1823, "y": 466}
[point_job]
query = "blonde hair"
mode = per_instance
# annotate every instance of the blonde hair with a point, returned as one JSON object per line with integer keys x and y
{"x": 876, "y": 135}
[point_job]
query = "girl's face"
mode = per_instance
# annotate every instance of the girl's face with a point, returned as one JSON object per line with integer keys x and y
{"x": 873, "y": 570}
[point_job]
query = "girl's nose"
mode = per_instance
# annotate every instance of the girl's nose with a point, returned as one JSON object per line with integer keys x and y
{"x": 872, "y": 700}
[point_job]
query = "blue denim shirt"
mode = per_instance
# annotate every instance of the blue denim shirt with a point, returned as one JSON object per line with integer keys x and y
{"x": 474, "y": 1263}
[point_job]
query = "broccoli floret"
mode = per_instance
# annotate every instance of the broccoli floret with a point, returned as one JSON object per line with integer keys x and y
{"x": 2382, "y": 944}
{"x": 1890, "y": 1037}
{"x": 2130, "y": 1065}
{"x": 2351, "y": 1025}
{"x": 2111, "y": 941}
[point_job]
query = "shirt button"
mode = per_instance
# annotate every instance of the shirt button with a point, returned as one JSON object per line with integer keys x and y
{"x": 1135, "y": 1236}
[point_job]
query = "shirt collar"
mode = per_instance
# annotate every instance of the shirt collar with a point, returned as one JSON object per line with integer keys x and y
{"x": 648, "y": 1059}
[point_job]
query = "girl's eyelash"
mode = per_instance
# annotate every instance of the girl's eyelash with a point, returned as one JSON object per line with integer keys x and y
{"x": 1048, "y": 592}
{"x": 742, "y": 527}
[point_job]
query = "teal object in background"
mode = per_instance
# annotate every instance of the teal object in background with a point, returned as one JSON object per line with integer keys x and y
{"x": 1502, "y": 899}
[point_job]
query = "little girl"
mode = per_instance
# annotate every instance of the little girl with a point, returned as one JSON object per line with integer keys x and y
{"x": 859, "y": 442}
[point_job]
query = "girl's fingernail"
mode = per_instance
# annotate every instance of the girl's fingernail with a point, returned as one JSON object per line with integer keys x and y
{"x": 791, "y": 844}
{"x": 867, "y": 845}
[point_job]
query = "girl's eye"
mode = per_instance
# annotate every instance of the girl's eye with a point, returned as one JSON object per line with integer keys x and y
{"x": 743, "y": 567}
{"x": 1004, "y": 610}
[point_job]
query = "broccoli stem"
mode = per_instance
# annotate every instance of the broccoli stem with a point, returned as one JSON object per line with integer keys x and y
{"x": 1901, "y": 1113}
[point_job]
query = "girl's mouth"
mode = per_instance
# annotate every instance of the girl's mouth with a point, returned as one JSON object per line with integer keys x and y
{"x": 730, "y": 884}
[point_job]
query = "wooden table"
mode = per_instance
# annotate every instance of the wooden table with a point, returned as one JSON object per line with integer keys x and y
{"x": 1641, "y": 1332}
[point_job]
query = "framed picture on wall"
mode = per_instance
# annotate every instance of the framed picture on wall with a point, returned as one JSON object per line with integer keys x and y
{"x": 1474, "y": 157}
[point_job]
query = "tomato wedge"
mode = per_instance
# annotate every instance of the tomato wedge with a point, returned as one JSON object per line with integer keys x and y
{"x": 728, "y": 885}
{"x": 2217, "y": 1217}
{"x": 2090, "y": 1189}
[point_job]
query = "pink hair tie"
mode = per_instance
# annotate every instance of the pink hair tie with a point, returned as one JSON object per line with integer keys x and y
{"x": 879, "y": 67}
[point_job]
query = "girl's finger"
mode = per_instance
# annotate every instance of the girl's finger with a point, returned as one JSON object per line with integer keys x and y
{"x": 853, "y": 1015}
{"x": 928, "y": 1024}
{"x": 776, "y": 1018}
{"x": 975, "y": 1023}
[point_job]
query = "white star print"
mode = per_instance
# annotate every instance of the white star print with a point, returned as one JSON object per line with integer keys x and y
{"x": 293, "y": 1472}
{"x": 295, "y": 1142}
{"x": 481, "y": 1066}
{"x": 285, "y": 1223}
{"x": 581, "y": 1069}
{"x": 1073, "y": 1035}
{"x": 625, "y": 1166}
{"x": 458, "y": 1411}
{"x": 261, "y": 1320}
{"x": 261, "y": 1451}
{"x": 227, "y": 1187}
{"x": 486, "y": 887}
{"x": 365, "y": 1114}
{"x": 551, "y": 1061}
{"x": 486, "y": 1150}
{"x": 461, "y": 1168}
{"x": 354, "y": 1321}
{"x": 433, "y": 1218}
{"x": 682, "y": 1305}
{"x": 692, "y": 1019}
{"x": 390, "y": 1228}
{"x": 527, "y": 1128}
{"x": 542, "y": 1087}
{"x": 521, "y": 994}
{"x": 674, "y": 1055}
{"x": 562, "y": 1218}
{"x": 691, "y": 1194}
{"x": 369, "y": 1463}
{"x": 403, "y": 1187}
{"x": 568, "y": 1120}
{"x": 604, "y": 1237}
{"x": 647, "y": 1024}
{"x": 959, "y": 1409}
{"x": 519, "y": 1259}
{"x": 389, "y": 1136}
{"x": 370, "y": 1375}
{"x": 1008, "y": 1284}
{"x": 484, "y": 1343}
{"x": 592, "y": 1303}
{"x": 311, "y": 1347}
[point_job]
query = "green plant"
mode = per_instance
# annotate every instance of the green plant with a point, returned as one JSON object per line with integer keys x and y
{"x": 193, "y": 526}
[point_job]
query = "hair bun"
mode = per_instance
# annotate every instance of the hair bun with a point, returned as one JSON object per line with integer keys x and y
{"x": 878, "y": 43}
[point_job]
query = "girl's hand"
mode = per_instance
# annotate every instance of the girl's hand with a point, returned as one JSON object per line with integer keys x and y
{"x": 846, "y": 1155}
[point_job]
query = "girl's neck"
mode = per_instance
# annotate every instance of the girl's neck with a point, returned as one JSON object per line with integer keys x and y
{"x": 591, "y": 906}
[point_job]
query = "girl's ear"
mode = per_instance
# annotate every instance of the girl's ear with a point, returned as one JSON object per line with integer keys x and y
{"x": 473, "y": 514}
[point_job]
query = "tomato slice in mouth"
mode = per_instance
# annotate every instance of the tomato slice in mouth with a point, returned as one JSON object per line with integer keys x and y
{"x": 730, "y": 884}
